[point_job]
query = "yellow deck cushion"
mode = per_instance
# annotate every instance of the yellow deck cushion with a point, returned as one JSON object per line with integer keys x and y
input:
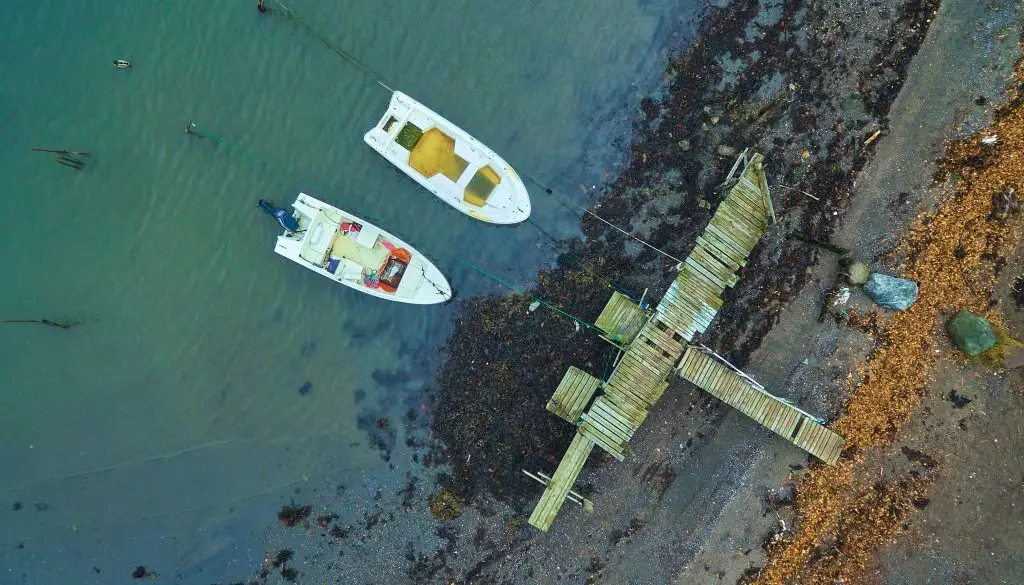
{"x": 435, "y": 153}
{"x": 480, "y": 186}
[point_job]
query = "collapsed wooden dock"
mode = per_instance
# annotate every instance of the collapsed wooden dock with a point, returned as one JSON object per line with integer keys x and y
{"x": 717, "y": 377}
{"x": 656, "y": 344}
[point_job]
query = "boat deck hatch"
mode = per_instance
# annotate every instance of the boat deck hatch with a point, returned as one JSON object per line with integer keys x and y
{"x": 481, "y": 186}
{"x": 434, "y": 153}
{"x": 408, "y": 136}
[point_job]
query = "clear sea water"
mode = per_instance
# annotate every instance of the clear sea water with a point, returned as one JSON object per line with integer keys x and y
{"x": 168, "y": 428}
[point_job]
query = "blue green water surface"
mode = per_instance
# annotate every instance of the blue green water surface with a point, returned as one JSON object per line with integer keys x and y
{"x": 168, "y": 426}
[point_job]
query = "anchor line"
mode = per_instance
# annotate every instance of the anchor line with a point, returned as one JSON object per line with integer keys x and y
{"x": 345, "y": 55}
{"x": 536, "y": 298}
{"x": 570, "y": 204}
{"x": 561, "y": 249}
{"x": 439, "y": 290}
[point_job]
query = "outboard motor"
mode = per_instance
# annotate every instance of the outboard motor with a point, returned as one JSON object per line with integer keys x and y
{"x": 287, "y": 220}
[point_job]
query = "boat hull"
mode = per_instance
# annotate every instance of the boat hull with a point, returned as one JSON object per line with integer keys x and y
{"x": 353, "y": 252}
{"x": 449, "y": 162}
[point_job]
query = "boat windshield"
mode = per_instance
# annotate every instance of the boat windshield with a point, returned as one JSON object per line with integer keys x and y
{"x": 481, "y": 186}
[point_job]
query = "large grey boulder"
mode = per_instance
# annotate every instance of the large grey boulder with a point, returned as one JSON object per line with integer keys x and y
{"x": 891, "y": 292}
{"x": 971, "y": 332}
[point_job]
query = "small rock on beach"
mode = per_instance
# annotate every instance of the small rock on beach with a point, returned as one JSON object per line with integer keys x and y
{"x": 857, "y": 273}
{"x": 897, "y": 294}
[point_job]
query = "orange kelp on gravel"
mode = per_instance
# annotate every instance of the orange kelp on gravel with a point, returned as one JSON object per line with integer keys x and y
{"x": 954, "y": 255}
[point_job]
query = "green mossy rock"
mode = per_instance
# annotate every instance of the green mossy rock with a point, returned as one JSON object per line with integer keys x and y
{"x": 971, "y": 333}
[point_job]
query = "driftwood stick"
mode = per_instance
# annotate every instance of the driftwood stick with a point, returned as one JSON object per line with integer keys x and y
{"x": 68, "y": 162}
{"x": 797, "y": 190}
{"x": 64, "y": 152}
{"x": 46, "y": 322}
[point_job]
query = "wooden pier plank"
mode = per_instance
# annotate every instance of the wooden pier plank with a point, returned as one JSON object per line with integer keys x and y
{"x": 561, "y": 482}
{"x": 716, "y": 378}
{"x": 602, "y": 440}
{"x": 572, "y": 394}
{"x": 621, "y": 318}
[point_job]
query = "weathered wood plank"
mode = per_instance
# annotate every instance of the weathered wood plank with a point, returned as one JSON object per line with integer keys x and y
{"x": 621, "y": 318}
{"x": 737, "y": 229}
{"x": 714, "y": 249}
{"x": 662, "y": 339}
{"x": 572, "y": 394}
{"x": 742, "y": 245}
{"x": 629, "y": 416}
{"x": 739, "y": 217}
{"x": 682, "y": 307}
{"x": 722, "y": 248}
{"x": 602, "y": 440}
{"x": 561, "y": 482}
{"x": 753, "y": 217}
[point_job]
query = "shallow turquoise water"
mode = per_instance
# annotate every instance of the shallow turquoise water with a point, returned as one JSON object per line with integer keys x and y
{"x": 176, "y": 400}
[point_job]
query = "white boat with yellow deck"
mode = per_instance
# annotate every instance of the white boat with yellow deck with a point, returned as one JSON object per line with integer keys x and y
{"x": 449, "y": 162}
{"x": 356, "y": 253}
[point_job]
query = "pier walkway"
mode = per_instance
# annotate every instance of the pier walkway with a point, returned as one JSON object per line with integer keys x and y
{"x": 608, "y": 413}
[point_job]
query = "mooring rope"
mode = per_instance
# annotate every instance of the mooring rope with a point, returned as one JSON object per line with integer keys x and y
{"x": 573, "y": 206}
{"x": 348, "y": 57}
{"x": 561, "y": 249}
{"x": 536, "y": 298}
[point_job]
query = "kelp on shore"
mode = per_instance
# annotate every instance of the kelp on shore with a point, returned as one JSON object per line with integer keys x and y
{"x": 955, "y": 254}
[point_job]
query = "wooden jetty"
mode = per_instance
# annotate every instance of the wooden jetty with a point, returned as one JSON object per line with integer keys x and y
{"x": 607, "y": 414}
{"x": 714, "y": 375}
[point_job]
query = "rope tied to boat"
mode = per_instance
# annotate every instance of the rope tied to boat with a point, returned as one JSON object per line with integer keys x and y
{"x": 573, "y": 206}
{"x": 536, "y": 298}
{"x": 348, "y": 57}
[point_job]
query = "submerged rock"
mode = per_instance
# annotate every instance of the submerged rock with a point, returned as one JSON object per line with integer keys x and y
{"x": 971, "y": 333}
{"x": 897, "y": 294}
